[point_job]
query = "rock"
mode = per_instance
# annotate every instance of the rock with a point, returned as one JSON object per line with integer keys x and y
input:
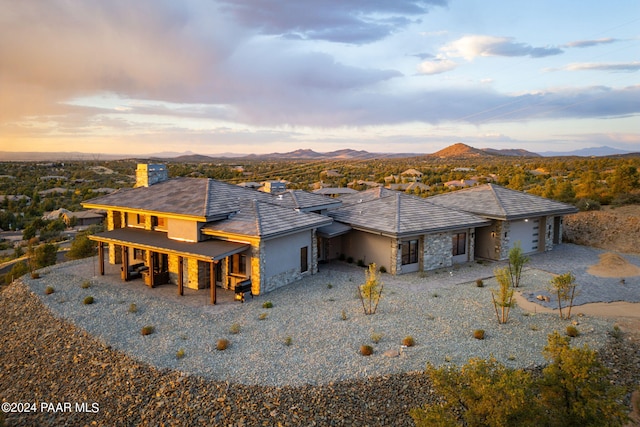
{"x": 391, "y": 353}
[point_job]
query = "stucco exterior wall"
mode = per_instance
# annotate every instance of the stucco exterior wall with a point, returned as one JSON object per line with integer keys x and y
{"x": 179, "y": 229}
{"x": 280, "y": 260}
{"x": 369, "y": 248}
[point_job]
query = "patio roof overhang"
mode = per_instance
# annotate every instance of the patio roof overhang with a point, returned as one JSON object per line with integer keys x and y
{"x": 208, "y": 250}
{"x": 333, "y": 230}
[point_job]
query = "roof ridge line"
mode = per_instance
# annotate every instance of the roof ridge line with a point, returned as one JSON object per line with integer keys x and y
{"x": 498, "y": 200}
{"x": 398, "y": 212}
{"x": 254, "y": 204}
{"x": 206, "y": 198}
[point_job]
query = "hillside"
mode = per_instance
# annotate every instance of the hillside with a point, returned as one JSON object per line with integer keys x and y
{"x": 614, "y": 229}
{"x": 460, "y": 151}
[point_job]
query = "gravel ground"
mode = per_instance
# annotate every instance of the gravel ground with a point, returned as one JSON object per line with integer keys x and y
{"x": 45, "y": 358}
{"x": 440, "y": 310}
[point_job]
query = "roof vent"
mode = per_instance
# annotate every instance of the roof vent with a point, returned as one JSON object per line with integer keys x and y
{"x": 279, "y": 196}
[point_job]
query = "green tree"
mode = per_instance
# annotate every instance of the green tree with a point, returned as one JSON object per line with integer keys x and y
{"x": 564, "y": 286}
{"x": 481, "y": 393}
{"x": 574, "y": 389}
{"x": 517, "y": 260}
{"x": 504, "y": 297}
{"x": 82, "y": 247}
{"x": 371, "y": 290}
{"x": 45, "y": 255}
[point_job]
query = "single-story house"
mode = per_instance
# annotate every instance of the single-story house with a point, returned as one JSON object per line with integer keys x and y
{"x": 533, "y": 221}
{"x": 203, "y": 233}
{"x": 403, "y": 233}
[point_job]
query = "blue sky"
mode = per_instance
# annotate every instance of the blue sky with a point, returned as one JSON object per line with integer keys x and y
{"x": 262, "y": 76}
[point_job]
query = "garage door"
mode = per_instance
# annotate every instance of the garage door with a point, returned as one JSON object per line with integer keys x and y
{"x": 526, "y": 232}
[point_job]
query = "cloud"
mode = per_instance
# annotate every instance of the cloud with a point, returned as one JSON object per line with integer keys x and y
{"x": 589, "y": 43}
{"x": 345, "y": 21}
{"x": 470, "y": 47}
{"x": 593, "y": 66}
{"x": 436, "y": 66}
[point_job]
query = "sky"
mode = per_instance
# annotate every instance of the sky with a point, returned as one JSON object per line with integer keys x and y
{"x": 265, "y": 76}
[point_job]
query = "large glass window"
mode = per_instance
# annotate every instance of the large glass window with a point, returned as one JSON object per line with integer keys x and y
{"x": 409, "y": 252}
{"x": 459, "y": 246}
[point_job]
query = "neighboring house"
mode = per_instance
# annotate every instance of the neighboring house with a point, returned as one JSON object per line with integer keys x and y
{"x": 515, "y": 216}
{"x": 461, "y": 183}
{"x": 409, "y": 186}
{"x": 412, "y": 175}
{"x": 203, "y": 233}
{"x": 403, "y": 233}
{"x": 334, "y": 191}
{"x": 273, "y": 187}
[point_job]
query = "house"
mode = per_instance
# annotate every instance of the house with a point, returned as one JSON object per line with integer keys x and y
{"x": 334, "y": 191}
{"x": 461, "y": 183}
{"x": 412, "y": 175}
{"x": 403, "y": 233}
{"x": 515, "y": 216}
{"x": 202, "y": 233}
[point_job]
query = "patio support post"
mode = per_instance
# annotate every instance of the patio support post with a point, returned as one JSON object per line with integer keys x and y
{"x": 180, "y": 274}
{"x": 101, "y": 257}
{"x": 150, "y": 261}
{"x": 125, "y": 263}
{"x": 212, "y": 281}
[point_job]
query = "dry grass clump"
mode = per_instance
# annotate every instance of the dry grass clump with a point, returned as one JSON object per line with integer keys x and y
{"x": 222, "y": 344}
{"x": 147, "y": 330}
{"x": 478, "y": 334}
{"x": 408, "y": 341}
{"x": 366, "y": 350}
{"x": 49, "y": 290}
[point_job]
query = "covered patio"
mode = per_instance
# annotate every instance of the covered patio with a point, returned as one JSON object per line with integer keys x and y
{"x": 155, "y": 249}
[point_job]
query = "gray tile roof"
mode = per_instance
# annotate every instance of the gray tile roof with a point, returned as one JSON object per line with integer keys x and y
{"x": 305, "y": 201}
{"x": 399, "y": 214}
{"x": 205, "y": 198}
{"x": 496, "y": 202}
{"x": 257, "y": 218}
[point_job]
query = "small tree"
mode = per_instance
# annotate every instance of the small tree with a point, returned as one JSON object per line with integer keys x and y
{"x": 564, "y": 286}
{"x": 481, "y": 393}
{"x": 574, "y": 389}
{"x": 45, "y": 255}
{"x": 82, "y": 247}
{"x": 371, "y": 292}
{"x": 517, "y": 260}
{"x": 504, "y": 298}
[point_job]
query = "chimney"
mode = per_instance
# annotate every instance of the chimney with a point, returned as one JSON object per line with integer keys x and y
{"x": 149, "y": 174}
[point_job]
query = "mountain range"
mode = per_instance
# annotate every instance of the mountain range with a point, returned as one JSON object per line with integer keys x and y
{"x": 455, "y": 151}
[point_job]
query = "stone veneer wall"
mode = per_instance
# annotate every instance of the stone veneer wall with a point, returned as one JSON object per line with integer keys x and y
{"x": 437, "y": 251}
{"x": 502, "y": 239}
{"x": 193, "y": 274}
{"x": 396, "y": 257}
{"x": 115, "y": 219}
{"x": 173, "y": 261}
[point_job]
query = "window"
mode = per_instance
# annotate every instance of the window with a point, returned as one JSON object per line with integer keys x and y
{"x": 238, "y": 264}
{"x": 139, "y": 254}
{"x": 304, "y": 264}
{"x": 459, "y": 246}
{"x": 409, "y": 252}
{"x": 159, "y": 222}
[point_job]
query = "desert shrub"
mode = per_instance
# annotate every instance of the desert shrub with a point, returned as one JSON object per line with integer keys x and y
{"x": 133, "y": 308}
{"x": 360, "y": 263}
{"x": 82, "y": 247}
{"x": 180, "y": 353}
{"x": 87, "y": 300}
{"x": 344, "y": 316}
{"x": 49, "y": 290}
{"x": 588, "y": 205}
{"x": 572, "y": 331}
{"x": 482, "y": 393}
{"x": 262, "y": 316}
{"x": 375, "y": 337}
{"x": 234, "y": 328}
{"x": 288, "y": 341}
{"x": 350, "y": 260}
{"x": 44, "y": 255}
{"x": 329, "y": 286}
{"x": 383, "y": 269}
{"x": 616, "y": 332}
{"x": 147, "y": 330}
{"x": 86, "y": 284}
{"x": 341, "y": 257}
{"x": 408, "y": 341}
{"x": 479, "y": 283}
{"x": 19, "y": 269}
{"x": 478, "y": 334}
{"x": 366, "y": 350}
{"x": 267, "y": 304}
{"x": 35, "y": 275}
{"x": 222, "y": 344}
